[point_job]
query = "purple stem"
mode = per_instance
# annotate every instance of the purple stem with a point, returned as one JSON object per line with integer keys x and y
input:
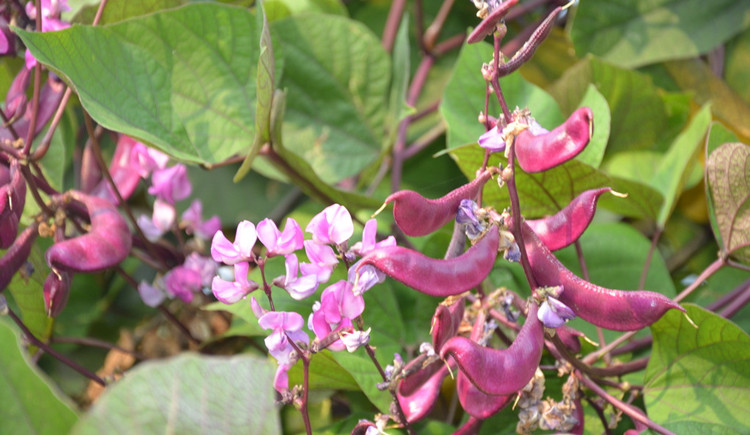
{"x": 392, "y": 24}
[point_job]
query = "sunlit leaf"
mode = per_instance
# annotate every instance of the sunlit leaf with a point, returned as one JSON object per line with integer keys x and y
{"x": 728, "y": 175}
{"x": 27, "y": 294}
{"x": 119, "y": 10}
{"x": 31, "y": 404}
{"x": 698, "y": 375}
{"x": 633, "y": 33}
{"x": 593, "y": 154}
{"x": 187, "y": 394}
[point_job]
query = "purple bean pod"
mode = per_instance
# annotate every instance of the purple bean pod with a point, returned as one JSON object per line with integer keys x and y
{"x": 488, "y": 25}
{"x": 619, "y": 310}
{"x": 49, "y": 98}
{"x": 16, "y": 255}
{"x": 471, "y": 427}
{"x": 529, "y": 47}
{"x": 106, "y": 244}
{"x": 418, "y": 392}
{"x": 56, "y": 292}
{"x": 570, "y": 338}
{"x": 419, "y": 216}
{"x": 567, "y": 225}
{"x": 500, "y": 372}
{"x": 12, "y": 201}
{"x": 437, "y": 277}
{"x": 545, "y": 151}
{"x": 445, "y": 323}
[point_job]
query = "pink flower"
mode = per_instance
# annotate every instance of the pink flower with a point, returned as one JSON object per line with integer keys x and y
{"x": 230, "y": 292}
{"x": 205, "y": 266}
{"x": 183, "y": 282}
{"x": 146, "y": 159}
{"x": 369, "y": 239}
{"x": 192, "y": 221}
{"x": 492, "y": 140}
{"x": 281, "y": 378}
{"x": 280, "y": 243}
{"x": 171, "y": 184}
{"x": 161, "y": 221}
{"x": 51, "y": 10}
{"x": 298, "y": 287}
{"x": 337, "y": 308}
{"x": 332, "y": 225}
{"x": 224, "y": 251}
{"x": 368, "y": 277}
{"x": 322, "y": 260}
{"x": 152, "y": 295}
{"x": 286, "y": 326}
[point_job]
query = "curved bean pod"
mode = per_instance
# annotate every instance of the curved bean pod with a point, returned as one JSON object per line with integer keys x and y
{"x": 567, "y": 225}
{"x": 529, "y": 47}
{"x": 56, "y": 292}
{"x": 477, "y": 403}
{"x": 12, "y": 201}
{"x": 16, "y": 255}
{"x": 487, "y": 26}
{"x": 437, "y": 277}
{"x": 545, "y": 151}
{"x": 419, "y": 216}
{"x": 500, "y": 372}
{"x": 619, "y": 310}
{"x": 107, "y": 243}
{"x": 418, "y": 392}
{"x": 445, "y": 323}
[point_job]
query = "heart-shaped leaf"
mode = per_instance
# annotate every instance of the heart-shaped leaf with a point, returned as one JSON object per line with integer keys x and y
{"x": 698, "y": 376}
{"x": 728, "y": 175}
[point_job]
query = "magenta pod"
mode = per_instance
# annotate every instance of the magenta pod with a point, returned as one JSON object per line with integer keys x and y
{"x": 56, "y": 292}
{"x": 529, "y": 47}
{"x": 419, "y": 216}
{"x": 488, "y": 25}
{"x": 545, "y": 151}
{"x": 500, "y": 372}
{"x": 570, "y": 338}
{"x": 471, "y": 427}
{"x": 49, "y": 98}
{"x": 437, "y": 277}
{"x": 16, "y": 255}
{"x": 567, "y": 225}
{"x": 106, "y": 244}
{"x": 619, "y": 310}
{"x": 418, "y": 392}
{"x": 445, "y": 323}
{"x": 12, "y": 202}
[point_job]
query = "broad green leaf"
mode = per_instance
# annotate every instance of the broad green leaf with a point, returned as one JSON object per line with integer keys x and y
{"x": 736, "y": 73}
{"x": 728, "y": 177}
{"x": 189, "y": 393}
{"x": 265, "y": 85}
{"x": 301, "y": 173}
{"x": 593, "y": 154}
{"x": 674, "y": 168}
{"x": 333, "y": 7}
{"x": 555, "y": 55}
{"x": 695, "y": 76}
{"x": 633, "y": 33}
{"x": 548, "y": 192}
{"x": 31, "y": 403}
{"x": 638, "y": 111}
{"x": 325, "y": 374}
{"x": 120, "y": 10}
{"x": 27, "y": 294}
{"x": 615, "y": 254}
{"x": 698, "y": 375}
{"x": 336, "y": 76}
{"x": 170, "y": 78}
{"x": 463, "y": 98}
{"x": 397, "y": 106}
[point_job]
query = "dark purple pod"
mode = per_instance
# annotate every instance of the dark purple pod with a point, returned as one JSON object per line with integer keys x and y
{"x": 477, "y": 403}
{"x": 418, "y": 392}
{"x": 570, "y": 338}
{"x": 106, "y": 244}
{"x": 619, "y": 310}
{"x": 49, "y": 98}
{"x": 471, "y": 427}
{"x": 16, "y": 255}
{"x": 56, "y": 292}
{"x": 529, "y": 47}
{"x": 445, "y": 323}
{"x": 500, "y": 372}
{"x": 16, "y": 99}
{"x": 545, "y": 151}
{"x": 419, "y": 216}
{"x": 488, "y": 25}
{"x": 567, "y": 225}
{"x": 12, "y": 201}
{"x": 362, "y": 427}
{"x": 437, "y": 277}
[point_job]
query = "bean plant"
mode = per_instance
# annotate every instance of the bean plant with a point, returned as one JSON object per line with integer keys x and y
{"x": 368, "y": 217}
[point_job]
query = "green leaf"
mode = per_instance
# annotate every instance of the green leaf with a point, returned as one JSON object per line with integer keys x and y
{"x": 736, "y": 73}
{"x": 333, "y": 7}
{"x": 28, "y": 295}
{"x": 548, "y": 192}
{"x": 728, "y": 176}
{"x": 31, "y": 403}
{"x": 463, "y": 98}
{"x": 593, "y": 154}
{"x": 187, "y": 394}
{"x": 120, "y": 10}
{"x": 336, "y": 75}
{"x": 634, "y": 33}
{"x": 698, "y": 375}
{"x": 171, "y": 78}
{"x": 638, "y": 111}
{"x": 718, "y": 135}
{"x": 674, "y": 168}
{"x": 325, "y": 374}
{"x": 397, "y": 106}
{"x": 265, "y": 86}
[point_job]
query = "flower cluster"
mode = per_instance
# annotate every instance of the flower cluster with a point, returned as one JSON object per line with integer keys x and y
{"x": 340, "y": 303}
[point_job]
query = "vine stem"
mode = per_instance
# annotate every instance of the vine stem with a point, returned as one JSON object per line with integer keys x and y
{"x": 47, "y": 349}
{"x": 628, "y": 410}
{"x": 515, "y": 210}
{"x": 93, "y": 342}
